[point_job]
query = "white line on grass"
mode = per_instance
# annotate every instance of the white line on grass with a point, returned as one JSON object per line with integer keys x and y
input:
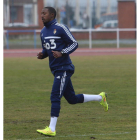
{"x": 121, "y": 133}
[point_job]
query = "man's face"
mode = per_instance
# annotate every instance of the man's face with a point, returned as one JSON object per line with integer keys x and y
{"x": 46, "y": 15}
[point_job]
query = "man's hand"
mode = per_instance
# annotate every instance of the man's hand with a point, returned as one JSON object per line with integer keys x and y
{"x": 57, "y": 54}
{"x": 40, "y": 55}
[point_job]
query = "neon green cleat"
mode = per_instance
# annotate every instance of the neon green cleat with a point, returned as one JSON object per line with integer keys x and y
{"x": 47, "y": 131}
{"x": 104, "y": 102}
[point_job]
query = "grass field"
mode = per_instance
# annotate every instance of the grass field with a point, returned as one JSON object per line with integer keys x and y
{"x": 27, "y": 87}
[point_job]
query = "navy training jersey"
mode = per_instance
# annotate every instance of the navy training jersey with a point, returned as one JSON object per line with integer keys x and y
{"x": 57, "y": 37}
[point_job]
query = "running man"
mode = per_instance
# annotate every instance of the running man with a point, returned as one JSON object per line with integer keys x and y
{"x": 57, "y": 44}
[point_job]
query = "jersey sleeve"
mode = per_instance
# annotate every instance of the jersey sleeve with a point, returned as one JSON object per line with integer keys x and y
{"x": 44, "y": 51}
{"x": 68, "y": 38}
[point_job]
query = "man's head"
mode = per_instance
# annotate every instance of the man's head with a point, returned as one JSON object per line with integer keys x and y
{"x": 48, "y": 14}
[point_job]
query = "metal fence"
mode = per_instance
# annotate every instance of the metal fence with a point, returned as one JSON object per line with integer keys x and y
{"x": 87, "y": 38}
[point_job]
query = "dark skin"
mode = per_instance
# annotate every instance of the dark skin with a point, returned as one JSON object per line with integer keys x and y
{"x": 47, "y": 17}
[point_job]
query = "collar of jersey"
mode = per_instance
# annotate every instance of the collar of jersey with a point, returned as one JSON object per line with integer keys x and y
{"x": 50, "y": 23}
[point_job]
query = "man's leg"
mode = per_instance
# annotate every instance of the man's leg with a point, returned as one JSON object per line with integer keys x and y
{"x": 70, "y": 96}
{"x": 61, "y": 81}
{"x": 56, "y": 94}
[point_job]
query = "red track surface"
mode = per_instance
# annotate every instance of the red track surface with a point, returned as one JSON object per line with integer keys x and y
{"x": 78, "y": 52}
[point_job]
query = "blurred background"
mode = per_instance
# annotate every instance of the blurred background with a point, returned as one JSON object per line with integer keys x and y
{"x": 94, "y": 23}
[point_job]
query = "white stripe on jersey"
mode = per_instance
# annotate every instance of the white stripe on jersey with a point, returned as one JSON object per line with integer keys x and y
{"x": 56, "y": 37}
{"x": 70, "y": 48}
{"x": 67, "y": 31}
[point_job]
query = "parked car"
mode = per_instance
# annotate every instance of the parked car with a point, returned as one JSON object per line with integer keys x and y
{"x": 109, "y": 24}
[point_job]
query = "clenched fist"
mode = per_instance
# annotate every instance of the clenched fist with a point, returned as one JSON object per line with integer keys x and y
{"x": 57, "y": 54}
{"x": 40, "y": 55}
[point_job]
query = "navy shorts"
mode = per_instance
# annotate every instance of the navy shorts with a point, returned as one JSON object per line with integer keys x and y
{"x": 62, "y": 86}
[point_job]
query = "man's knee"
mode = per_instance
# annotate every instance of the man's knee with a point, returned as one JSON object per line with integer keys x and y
{"x": 72, "y": 102}
{"x": 75, "y": 99}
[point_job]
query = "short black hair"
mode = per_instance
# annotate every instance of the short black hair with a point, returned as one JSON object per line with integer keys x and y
{"x": 51, "y": 10}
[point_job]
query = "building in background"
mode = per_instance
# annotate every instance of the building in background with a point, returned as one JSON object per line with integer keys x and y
{"x": 127, "y": 13}
{"x": 74, "y": 13}
{"x": 83, "y": 10}
{"x": 79, "y": 14}
{"x": 127, "y": 17}
{"x": 22, "y": 13}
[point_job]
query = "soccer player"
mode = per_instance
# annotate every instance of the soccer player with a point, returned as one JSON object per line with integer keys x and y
{"x": 57, "y": 44}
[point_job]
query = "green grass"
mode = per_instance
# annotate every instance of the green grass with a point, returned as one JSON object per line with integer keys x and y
{"x": 27, "y": 87}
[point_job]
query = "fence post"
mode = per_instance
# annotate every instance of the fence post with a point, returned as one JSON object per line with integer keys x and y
{"x": 118, "y": 38}
{"x": 34, "y": 39}
{"x": 90, "y": 38}
{"x": 7, "y": 39}
{"x": 90, "y": 25}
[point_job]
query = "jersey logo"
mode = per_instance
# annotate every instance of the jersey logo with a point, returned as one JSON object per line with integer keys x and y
{"x": 58, "y": 77}
{"x": 54, "y": 31}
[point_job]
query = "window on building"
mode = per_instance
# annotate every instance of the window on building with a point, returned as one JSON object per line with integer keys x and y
{"x": 28, "y": 15}
{"x": 115, "y": 24}
{"x": 13, "y": 13}
{"x": 108, "y": 25}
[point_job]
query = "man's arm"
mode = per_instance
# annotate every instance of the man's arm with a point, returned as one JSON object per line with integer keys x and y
{"x": 43, "y": 54}
{"x": 68, "y": 38}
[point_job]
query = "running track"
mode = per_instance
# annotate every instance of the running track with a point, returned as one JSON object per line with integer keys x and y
{"x": 78, "y": 52}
